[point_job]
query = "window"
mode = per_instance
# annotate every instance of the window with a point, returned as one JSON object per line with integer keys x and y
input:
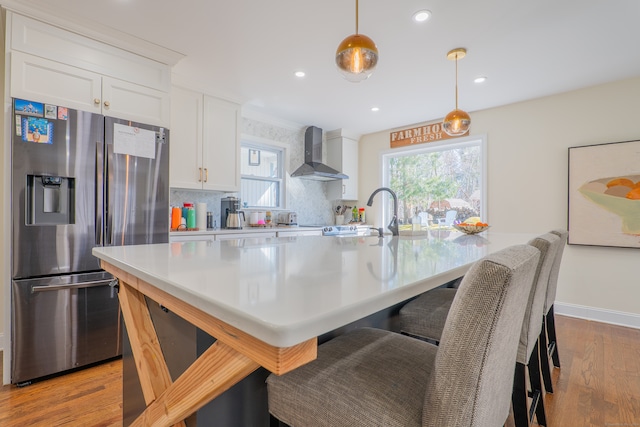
{"x": 262, "y": 174}
{"x": 432, "y": 179}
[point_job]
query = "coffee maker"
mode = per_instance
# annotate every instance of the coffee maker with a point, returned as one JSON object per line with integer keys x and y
{"x": 230, "y": 215}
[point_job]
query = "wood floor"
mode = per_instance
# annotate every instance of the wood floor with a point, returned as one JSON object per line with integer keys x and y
{"x": 597, "y": 386}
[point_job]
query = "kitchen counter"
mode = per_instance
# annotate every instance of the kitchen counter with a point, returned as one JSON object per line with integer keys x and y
{"x": 267, "y": 300}
{"x": 284, "y": 292}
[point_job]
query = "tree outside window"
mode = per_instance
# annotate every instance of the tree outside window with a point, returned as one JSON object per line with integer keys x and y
{"x": 432, "y": 180}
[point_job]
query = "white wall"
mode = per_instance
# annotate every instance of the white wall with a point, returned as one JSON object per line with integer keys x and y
{"x": 527, "y": 185}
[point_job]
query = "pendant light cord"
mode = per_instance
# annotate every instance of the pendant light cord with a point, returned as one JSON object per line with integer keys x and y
{"x": 456, "y": 81}
{"x": 356, "y": 16}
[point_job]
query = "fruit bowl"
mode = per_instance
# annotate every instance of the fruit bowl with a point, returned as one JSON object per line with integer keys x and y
{"x": 470, "y": 228}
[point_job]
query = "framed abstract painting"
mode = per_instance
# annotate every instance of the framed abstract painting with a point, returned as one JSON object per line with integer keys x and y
{"x": 604, "y": 194}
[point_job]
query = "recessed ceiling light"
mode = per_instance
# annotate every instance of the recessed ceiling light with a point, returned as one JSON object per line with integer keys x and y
{"x": 300, "y": 74}
{"x": 374, "y": 109}
{"x": 422, "y": 15}
{"x": 480, "y": 79}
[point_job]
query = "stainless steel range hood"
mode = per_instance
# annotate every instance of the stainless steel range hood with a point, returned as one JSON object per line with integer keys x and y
{"x": 313, "y": 168}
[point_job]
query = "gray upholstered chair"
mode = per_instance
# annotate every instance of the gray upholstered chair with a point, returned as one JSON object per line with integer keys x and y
{"x": 370, "y": 377}
{"x": 424, "y": 317}
{"x": 548, "y": 340}
{"x": 529, "y": 350}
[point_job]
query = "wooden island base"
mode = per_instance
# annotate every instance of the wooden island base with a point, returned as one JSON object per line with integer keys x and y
{"x": 231, "y": 358}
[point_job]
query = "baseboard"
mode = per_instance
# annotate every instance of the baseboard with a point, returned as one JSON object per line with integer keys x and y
{"x": 621, "y": 318}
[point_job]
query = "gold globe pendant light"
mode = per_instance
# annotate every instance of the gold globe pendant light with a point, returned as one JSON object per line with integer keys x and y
{"x": 457, "y": 122}
{"x": 357, "y": 56}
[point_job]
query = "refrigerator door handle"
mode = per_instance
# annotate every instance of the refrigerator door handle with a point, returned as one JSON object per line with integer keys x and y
{"x": 91, "y": 284}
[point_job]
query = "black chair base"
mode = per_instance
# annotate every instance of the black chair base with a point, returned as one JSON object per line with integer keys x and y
{"x": 521, "y": 416}
{"x": 548, "y": 342}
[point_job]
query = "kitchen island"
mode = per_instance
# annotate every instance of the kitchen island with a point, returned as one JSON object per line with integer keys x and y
{"x": 266, "y": 302}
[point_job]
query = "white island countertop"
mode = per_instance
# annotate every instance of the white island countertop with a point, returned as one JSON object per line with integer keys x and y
{"x": 284, "y": 291}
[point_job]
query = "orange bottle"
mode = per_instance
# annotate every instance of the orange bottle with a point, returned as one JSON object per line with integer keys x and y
{"x": 176, "y": 214}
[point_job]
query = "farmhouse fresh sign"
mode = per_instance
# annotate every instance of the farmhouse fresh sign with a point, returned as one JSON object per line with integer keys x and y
{"x": 419, "y": 135}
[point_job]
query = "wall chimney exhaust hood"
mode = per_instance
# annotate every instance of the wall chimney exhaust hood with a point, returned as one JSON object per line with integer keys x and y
{"x": 313, "y": 168}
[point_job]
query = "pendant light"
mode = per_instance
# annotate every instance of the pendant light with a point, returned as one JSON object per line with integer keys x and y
{"x": 457, "y": 122}
{"x": 357, "y": 56}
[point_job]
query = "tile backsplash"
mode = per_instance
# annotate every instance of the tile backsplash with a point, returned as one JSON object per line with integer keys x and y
{"x": 307, "y": 198}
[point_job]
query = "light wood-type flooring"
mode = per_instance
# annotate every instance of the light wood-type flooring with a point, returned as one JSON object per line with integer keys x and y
{"x": 597, "y": 386}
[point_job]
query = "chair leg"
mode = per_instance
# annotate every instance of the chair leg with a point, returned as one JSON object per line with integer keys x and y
{"x": 274, "y": 422}
{"x": 553, "y": 343}
{"x": 536, "y": 386}
{"x": 545, "y": 365}
{"x": 519, "y": 397}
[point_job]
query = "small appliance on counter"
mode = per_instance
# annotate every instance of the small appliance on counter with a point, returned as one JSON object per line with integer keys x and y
{"x": 288, "y": 218}
{"x": 230, "y": 213}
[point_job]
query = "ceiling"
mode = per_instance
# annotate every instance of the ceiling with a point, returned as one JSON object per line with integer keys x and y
{"x": 248, "y": 50}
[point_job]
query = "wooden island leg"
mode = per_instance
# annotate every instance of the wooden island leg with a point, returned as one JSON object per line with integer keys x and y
{"x": 214, "y": 372}
{"x": 230, "y": 359}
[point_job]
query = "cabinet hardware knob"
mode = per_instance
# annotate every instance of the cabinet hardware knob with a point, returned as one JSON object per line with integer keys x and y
{"x": 106, "y": 103}
{"x": 96, "y": 101}
{"x": 200, "y": 179}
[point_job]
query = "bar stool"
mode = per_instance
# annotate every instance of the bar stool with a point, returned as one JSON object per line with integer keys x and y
{"x": 433, "y": 305}
{"x": 548, "y": 340}
{"x": 370, "y": 377}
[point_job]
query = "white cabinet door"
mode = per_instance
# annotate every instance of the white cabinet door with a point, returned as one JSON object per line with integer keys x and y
{"x": 47, "y": 81}
{"x": 221, "y": 145}
{"x": 133, "y": 102}
{"x": 185, "y": 161}
{"x": 342, "y": 154}
{"x": 205, "y": 142}
{"x": 42, "y": 80}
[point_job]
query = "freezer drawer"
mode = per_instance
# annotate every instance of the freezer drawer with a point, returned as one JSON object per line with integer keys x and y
{"x": 63, "y": 322}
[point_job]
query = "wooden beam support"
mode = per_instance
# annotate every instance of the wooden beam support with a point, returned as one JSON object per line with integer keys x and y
{"x": 214, "y": 372}
{"x": 152, "y": 369}
{"x": 230, "y": 359}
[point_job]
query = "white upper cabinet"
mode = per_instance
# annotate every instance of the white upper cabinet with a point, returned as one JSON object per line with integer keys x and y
{"x": 42, "y": 80}
{"x": 221, "y": 145}
{"x": 342, "y": 154}
{"x": 126, "y": 100}
{"x": 186, "y": 139}
{"x": 51, "y": 65}
{"x": 205, "y": 143}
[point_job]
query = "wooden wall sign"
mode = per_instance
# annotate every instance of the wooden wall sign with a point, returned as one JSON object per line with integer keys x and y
{"x": 419, "y": 135}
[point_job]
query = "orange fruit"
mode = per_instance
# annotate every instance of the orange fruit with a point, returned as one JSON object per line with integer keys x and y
{"x": 621, "y": 181}
{"x": 634, "y": 194}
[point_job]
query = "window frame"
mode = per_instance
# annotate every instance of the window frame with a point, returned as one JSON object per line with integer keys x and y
{"x": 449, "y": 144}
{"x": 255, "y": 142}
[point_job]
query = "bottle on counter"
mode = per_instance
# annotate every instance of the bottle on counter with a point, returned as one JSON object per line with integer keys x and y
{"x": 176, "y": 214}
{"x": 191, "y": 218}
{"x": 210, "y": 223}
{"x": 361, "y": 215}
{"x": 267, "y": 218}
{"x": 185, "y": 209}
{"x": 354, "y": 214}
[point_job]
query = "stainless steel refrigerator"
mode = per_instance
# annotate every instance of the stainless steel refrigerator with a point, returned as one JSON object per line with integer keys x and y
{"x": 79, "y": 180}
